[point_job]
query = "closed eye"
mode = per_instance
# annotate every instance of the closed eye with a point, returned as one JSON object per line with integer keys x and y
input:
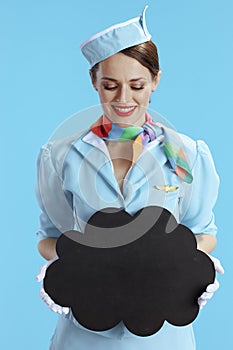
{"x": 110, "y": 88}
{"x": 137, "y": 87}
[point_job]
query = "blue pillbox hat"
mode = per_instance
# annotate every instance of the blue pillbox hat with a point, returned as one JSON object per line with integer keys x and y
{"x": 115, "y": 38}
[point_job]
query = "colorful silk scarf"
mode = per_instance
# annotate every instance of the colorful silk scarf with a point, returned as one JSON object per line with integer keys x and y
{"x": 107, "y": 130}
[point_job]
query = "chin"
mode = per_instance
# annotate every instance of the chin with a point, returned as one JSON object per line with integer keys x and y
{"x": 137, "y": 118}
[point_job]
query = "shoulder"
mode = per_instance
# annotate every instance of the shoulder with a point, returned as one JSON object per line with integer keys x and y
{"x": 57, "y": 147}
{"x": 55, "y": 151}
{"x": 194, "y": 149}
{"x": 201, "y": 162}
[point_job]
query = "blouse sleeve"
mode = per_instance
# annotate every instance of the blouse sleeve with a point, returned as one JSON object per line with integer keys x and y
{"x": 196, "y": 206}
{"x": 56, "y": 206}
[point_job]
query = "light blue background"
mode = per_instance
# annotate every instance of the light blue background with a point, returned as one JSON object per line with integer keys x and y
{"x": 44, "y": 80}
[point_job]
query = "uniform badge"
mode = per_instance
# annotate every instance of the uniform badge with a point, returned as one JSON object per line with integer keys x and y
{"x": 166, "y": 188}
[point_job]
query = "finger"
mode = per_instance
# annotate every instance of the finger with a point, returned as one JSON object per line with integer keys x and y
{"x": 41, "y": 273}
{"x": 201, "y": 302}
{"x": 45, "y": 297}
{"x": 47, "y": 301}
{"x": 42, "y": 270}
{"x": 42, "y": 292}
{"x": 54, "y": 307}
{"x": 65, "y": 310}
{"x": 40, "y": 276}
{"x": 217, "y": 265}
{"x": 51, "y": 304}
{"x": 206, "y": 296}
{"x": 57, "y": 308}
{"x": 211, "y": 288}
{"x": 220, "y": 269}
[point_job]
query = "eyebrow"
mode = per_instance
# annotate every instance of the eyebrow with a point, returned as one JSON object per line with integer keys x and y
{"x": 115, "y": 80}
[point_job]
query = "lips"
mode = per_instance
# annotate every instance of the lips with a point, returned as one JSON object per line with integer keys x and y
{"x": 124, "y": 111}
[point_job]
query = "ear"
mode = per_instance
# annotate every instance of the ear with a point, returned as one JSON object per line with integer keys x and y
{"x": 92, "y": 80}
{"x": 156, "y": 80}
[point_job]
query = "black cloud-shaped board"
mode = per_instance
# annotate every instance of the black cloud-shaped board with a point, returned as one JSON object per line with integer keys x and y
{"x": 157, "y": 277}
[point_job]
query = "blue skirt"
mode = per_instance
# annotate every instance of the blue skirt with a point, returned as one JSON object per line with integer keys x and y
{"x": 71, "y": 336}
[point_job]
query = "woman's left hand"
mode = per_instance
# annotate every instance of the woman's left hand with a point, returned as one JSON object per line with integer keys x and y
{"x": 211, "y": 288}
{"x": 44, "y": 296}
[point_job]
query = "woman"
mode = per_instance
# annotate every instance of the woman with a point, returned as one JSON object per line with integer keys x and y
{"x": 124, "y": 153}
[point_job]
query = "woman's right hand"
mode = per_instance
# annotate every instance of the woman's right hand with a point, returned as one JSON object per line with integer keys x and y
{"x": 44, "y": 296}
{"x": 213, "y": 287}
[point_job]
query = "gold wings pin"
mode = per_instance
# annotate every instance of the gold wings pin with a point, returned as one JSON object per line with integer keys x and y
{"x": 166, "y": 188}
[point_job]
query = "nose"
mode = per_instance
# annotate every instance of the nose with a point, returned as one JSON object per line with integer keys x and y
{"x": 123, "y": 94}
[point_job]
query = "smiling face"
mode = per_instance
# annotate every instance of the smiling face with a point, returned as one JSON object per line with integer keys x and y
{"x": 124, "y": 86}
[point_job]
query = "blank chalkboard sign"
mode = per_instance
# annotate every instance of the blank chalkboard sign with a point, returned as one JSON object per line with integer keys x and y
{"x": 157, "y": 276}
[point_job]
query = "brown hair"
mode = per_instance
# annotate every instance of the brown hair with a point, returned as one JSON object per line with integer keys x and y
{"x": 145, "y": 53}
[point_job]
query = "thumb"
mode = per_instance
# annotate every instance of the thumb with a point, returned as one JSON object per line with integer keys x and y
{"x": 217, "y": 265}
{"x": 41, "y": 273}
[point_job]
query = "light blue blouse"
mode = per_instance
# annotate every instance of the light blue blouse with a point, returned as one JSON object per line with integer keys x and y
{"x": 76, "y": 179}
